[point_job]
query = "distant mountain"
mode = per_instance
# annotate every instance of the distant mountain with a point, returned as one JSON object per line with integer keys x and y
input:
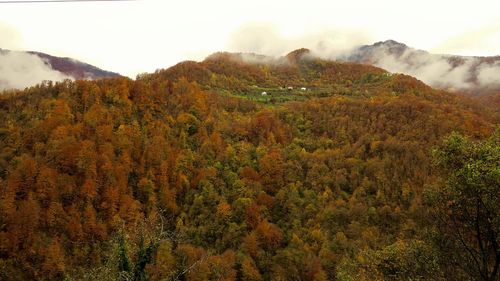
{"x": 469, "y": 74}
{"x": 75, "y": 68}
{"x": 19, "y": 69}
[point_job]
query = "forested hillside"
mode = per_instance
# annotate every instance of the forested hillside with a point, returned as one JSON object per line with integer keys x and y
{"x": 191, "y": 173}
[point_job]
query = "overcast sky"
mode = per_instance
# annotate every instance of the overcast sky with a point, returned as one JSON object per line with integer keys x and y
{"x": 142, "y": 36}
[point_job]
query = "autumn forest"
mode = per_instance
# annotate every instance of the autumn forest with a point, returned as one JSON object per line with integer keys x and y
{"x": 243, "y": 167}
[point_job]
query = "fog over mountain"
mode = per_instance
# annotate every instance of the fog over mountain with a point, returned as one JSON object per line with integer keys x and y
{"x": 470, "y": 74}
{"x": 455, "y": 73}
{"x": 19, "y": 70}
{"x": 466, "y": 74}
{"x": 23, "y": 69}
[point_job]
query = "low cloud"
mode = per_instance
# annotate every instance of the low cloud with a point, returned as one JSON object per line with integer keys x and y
{"x": 489, "y": 74}
{"x": 442, "y": 71}
{"x": 435, "y": 70}
{"x": 19, "y": 70}
{"x": 266, "y": 39}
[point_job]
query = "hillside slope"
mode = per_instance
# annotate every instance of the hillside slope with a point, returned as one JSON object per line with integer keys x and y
{"x": 184, "y": 175}
{"x": 246, "y": 75}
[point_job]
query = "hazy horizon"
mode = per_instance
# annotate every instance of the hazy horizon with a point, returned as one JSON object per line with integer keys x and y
{"x": 133, "y": 37}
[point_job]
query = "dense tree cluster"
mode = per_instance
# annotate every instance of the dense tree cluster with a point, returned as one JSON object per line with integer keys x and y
{"x": 465, "y": 210}
{"x": 164, "y": 179}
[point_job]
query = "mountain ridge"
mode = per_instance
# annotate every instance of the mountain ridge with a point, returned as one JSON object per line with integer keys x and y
{"x": 473, "y": 75}
{"x": 75, "y": 68}
{"x": 20, "y": 69}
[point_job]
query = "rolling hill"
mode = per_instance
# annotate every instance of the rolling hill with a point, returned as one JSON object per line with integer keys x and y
{"x": 190, "y": 173}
